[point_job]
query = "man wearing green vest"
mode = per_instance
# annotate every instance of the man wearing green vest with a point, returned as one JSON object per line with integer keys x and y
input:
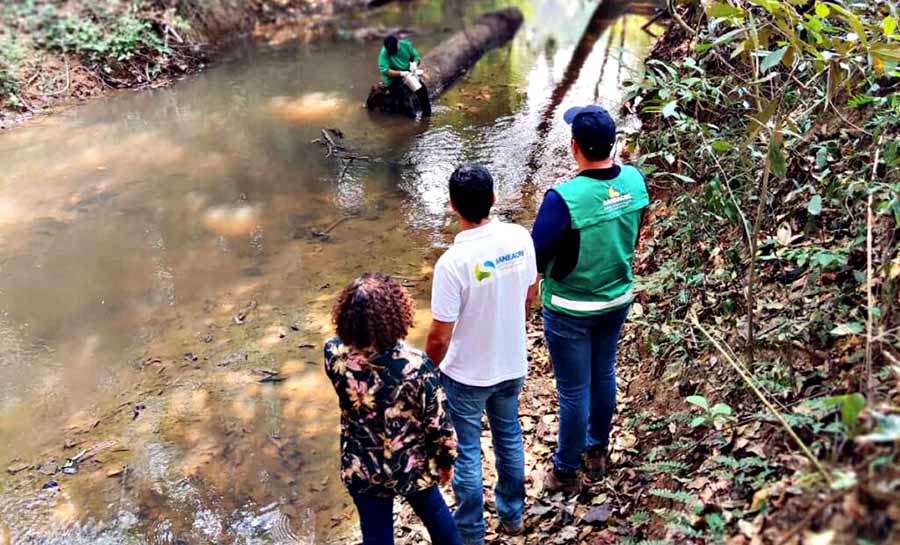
{"x": 585, "y": 236}
{"x": 394, "y": 63}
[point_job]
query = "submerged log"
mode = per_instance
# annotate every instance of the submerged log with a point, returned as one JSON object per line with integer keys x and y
{"x": 446, "y": 62}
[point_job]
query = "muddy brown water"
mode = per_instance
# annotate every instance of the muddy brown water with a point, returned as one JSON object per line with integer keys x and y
{"x": 159, "y": 257}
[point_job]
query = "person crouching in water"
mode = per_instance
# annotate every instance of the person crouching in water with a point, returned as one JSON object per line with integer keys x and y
{"x": 394, "y": 64}
{"x": 396, "y": 438}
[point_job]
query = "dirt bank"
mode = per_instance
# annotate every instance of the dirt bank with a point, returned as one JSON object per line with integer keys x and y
{"x": 55, "y": 52}
{"x": 696, "y": 456}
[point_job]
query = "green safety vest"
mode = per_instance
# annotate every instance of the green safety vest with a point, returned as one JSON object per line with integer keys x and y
{"x": 608, "y": 214}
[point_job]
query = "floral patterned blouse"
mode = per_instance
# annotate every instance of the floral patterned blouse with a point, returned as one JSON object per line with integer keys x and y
{"x": 395, "y": 431}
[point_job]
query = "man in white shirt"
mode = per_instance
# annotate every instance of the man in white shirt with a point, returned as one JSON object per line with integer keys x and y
{"x": 483, "y": 286}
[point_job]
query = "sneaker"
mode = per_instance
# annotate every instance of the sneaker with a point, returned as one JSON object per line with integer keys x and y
{"x": 594, "y": 464}
{"x": 557, "y": 481}
{"x": 512, "y": 529}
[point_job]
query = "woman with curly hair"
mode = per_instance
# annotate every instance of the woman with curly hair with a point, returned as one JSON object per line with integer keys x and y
{"x": 396, "y": 438}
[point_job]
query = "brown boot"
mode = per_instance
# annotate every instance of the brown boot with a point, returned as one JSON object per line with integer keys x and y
{"x": 594, "y": 464}
{"x": 556, "y": 481}
{"x": 512, "y": 529}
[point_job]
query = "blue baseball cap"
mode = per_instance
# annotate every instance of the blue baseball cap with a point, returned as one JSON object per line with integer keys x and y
{"x": 593, "y": 129}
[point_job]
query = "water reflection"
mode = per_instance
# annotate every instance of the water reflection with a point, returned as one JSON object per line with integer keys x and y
{"x": 168, "y": 259}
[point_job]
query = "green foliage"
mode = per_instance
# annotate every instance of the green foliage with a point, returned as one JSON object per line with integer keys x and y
{"x": 11, "y": 54}
{"x": 714, "y": 416}
{"x": 9, "y": 83}
{"x": 851, "y": 406}
{"x": 667, "y": 467}
{"x": 101, "y": 37}
{"x": 639, "y": 518}
{"x": 678, "y": 496}
{"x": 800, "y": 95}
{"x": 116, "y": 37}
{"x": 750, "y": 471}
{"x": 807, "y": 98}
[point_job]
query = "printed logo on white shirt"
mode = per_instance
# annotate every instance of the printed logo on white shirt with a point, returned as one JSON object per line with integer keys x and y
{"x": 489, "y": 269}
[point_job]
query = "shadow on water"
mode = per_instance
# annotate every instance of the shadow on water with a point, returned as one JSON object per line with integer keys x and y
{"x": 168, "y": 260}
{"x": 604, "y": 16}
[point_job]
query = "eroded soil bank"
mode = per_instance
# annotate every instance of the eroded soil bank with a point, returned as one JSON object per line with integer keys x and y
{"x": 54, "y": 53}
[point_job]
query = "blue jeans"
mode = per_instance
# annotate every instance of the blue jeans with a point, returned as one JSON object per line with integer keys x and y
{"x": 376, "y": 517}
{"x": 583, "y": 351}
{"x": 466, "y": 405}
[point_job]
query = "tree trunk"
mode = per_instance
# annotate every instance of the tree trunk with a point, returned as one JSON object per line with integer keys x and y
{"x": 446, "y": 62}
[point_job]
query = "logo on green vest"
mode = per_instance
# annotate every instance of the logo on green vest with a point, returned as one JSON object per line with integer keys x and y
{"x": 616, "y": 199}
{"x": 484, "y": 271}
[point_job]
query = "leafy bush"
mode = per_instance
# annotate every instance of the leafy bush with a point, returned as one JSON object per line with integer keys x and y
{"x": 103, "y": 38}
{"x": 115, "y": 38}
{"x": 769, "y": 129}
{"x": 10, "y": 56}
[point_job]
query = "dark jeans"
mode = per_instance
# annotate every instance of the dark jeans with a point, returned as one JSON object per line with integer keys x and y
{"x": 583, "y": 351}
{"x": 403, "y": 97}
{"x": 376, "y": 517}
{"x": 466, "y": 405}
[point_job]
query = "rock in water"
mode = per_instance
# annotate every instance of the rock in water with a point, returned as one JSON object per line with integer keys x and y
{"x": 446, "y": 62}
{"x": 307, "y": 108}
{"x": 232, "y": 221}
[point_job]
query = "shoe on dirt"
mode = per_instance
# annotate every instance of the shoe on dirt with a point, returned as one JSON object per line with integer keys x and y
{"x": 593, "y": 464}
{"x": 511, "y": 529}
{"x": 557, "y": 481}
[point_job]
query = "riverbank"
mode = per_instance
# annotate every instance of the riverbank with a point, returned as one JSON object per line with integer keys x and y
{"x": 769, "y": 417}
{"x": 168, "y": 259}
{"x": 57, "y": 53}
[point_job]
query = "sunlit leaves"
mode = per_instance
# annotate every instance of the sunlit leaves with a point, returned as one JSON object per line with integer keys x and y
{"x": 849, "y": 328}
{"x": 889, "y": 25}
{"x": 699, "y": 401}
{"x": 721, "y": 9}
{"x": 851, "y": 406}
{"x": 772, "y": 6}
{"x": 855, "y": 22}
{"x": 815, "y": 205}
{"x": 773, "y": 58}
{"x": 721, "y": 146}
{"x": 860, "y": 100}
{"x": 669, "y": 109}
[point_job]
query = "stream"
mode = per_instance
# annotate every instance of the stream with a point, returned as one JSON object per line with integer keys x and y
{"x": 168, "y": 259}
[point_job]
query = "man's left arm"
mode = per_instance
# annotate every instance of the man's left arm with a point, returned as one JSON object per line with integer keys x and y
{"x": 533, "y": 275}
{"x": 552, "y": 220}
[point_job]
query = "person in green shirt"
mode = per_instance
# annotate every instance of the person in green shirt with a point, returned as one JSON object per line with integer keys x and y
{"x": 394, "y": 64}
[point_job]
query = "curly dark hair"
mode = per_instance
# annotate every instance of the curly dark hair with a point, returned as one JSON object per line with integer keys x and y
{"x": 373, "y": 311}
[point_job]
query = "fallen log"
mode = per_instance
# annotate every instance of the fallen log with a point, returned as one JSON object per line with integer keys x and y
{"x": 446, "y": 62}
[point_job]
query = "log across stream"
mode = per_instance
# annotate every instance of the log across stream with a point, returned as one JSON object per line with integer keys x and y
{"x": 449, "y": 60}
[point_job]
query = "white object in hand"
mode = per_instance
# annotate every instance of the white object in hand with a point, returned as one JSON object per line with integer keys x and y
{"x": 412, "y": 82}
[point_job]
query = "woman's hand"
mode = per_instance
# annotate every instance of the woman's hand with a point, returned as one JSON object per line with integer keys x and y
{"x": 446, "y": 475}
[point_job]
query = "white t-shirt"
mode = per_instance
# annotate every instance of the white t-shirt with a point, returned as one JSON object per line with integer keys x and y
{"x": 481, "y": 283}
